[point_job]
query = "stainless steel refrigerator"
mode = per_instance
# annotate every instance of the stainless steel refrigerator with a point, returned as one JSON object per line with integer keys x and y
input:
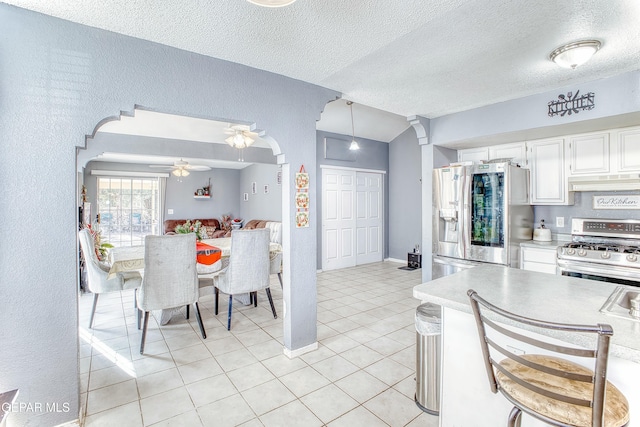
{"x": 481, "y": 213}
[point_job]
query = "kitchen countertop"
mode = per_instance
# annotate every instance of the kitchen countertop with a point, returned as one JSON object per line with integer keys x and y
{"x": 542, "y": 245}
{"x": 557, "y": 240}
{"x": 538, "y": 295}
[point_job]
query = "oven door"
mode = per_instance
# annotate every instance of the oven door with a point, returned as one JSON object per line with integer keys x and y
{"x": 604, "y": 273}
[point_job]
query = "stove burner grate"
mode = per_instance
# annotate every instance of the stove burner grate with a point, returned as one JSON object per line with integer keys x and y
{"x": 603, "y": 247}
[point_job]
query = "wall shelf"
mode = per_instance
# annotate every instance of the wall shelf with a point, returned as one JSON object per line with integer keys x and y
{"x": 201, "y": 197}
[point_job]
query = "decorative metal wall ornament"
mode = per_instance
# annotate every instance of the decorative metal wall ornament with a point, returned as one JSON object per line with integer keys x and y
{"x": 571, "y": 103}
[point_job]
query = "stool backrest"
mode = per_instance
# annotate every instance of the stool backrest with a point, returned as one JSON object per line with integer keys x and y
{"x": 494, "y": 349}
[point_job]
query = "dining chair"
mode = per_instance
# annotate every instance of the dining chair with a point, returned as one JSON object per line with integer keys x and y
{"x": 248, "y": 269}
{"x": 543, "y": 382}
{"x": 98, "y": 272}
{"x": 275, "y": 265}
{"x": 170, "y": 278}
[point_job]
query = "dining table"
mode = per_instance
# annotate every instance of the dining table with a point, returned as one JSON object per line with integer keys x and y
{"x": 131, "y": 258}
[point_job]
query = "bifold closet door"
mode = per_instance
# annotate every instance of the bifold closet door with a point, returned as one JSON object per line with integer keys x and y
{"x": 338, "y": 218}
{"x": 368, "y": 217}
{"x": 351, "y": 218}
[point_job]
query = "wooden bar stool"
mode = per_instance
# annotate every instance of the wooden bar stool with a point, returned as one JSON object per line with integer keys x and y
{"x": 547, "y": 387}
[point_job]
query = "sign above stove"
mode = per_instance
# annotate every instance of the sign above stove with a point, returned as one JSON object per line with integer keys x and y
{"x": 616, "y": 202}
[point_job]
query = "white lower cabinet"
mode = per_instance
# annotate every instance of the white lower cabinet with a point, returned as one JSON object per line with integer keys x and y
{"x": 541, "y": 259}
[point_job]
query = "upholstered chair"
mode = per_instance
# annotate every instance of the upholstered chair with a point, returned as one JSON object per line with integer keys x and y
{"x": 275, "y": 236}
{"x": 98, "y": 272}
{"x": 170, "y": 277}
{"x": 248, "y": 269}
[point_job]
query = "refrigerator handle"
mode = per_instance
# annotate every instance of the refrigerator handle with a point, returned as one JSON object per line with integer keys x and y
{"x": 465, "y": 222}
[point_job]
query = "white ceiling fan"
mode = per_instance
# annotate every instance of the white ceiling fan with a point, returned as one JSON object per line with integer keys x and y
{"x": 240, "y": 137}
{"x": 182, "y": 168}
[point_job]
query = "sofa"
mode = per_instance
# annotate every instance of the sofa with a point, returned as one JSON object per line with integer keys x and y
{"x": 211, "y": 227}
{"x": 214, "y": 231}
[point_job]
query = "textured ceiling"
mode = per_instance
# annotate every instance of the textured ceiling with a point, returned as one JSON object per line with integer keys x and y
{"x": 407, "y": 57}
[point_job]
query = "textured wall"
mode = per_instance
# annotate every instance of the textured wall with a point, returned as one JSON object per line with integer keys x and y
{"x": 614, "y": 96}
{"x": 405, "y": 195}
{"x": 260, "y": 205}
{"x": 58, "y": 80}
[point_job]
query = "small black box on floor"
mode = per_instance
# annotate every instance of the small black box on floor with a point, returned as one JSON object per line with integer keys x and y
{"x": 414, "y": 260}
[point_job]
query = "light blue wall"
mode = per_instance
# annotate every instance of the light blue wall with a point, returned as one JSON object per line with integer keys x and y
{"x": 225, "y": 186}
{"x": 582, "y": 208}
{"x": 405, "y": 196}
{"x": 373, "y": 155}
{"x": 58, "y": 80}
{"x": 266, "y": 206}
{"x": 613, "y": 96}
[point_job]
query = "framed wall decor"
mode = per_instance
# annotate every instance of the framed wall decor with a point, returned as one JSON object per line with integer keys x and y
{"x": 254, "y": 188}
{"x": 266, "y": 189}
{"x": 302, "y": 198}
{"x": 246, "y": 197}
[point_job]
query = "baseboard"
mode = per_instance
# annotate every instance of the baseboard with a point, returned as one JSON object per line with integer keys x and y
{"x": 300, "y": 351}
{"x": 399, "y": 261}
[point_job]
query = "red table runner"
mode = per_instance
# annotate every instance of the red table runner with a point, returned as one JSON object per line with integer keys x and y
{"x": 207, "y": 254}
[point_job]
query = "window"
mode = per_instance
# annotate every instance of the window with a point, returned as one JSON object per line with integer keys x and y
{"x": 129, "y": 209}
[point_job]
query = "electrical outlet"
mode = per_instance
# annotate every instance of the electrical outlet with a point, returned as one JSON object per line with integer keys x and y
{"x": 560, "y": 221}
{"x": 169, "y": 211}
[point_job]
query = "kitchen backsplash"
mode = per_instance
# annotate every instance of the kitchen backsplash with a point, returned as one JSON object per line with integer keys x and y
{"x": 582, "y": 208}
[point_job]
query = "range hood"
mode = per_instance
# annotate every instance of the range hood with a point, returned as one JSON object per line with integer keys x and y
{"x": 605, "y": 182}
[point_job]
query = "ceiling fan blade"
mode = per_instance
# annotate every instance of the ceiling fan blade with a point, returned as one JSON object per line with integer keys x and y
{"x": 166, "y": 167}
{"x": 199, "y": 168}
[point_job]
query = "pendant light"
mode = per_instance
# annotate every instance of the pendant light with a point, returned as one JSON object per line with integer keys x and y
{"x": 354, "y": 144}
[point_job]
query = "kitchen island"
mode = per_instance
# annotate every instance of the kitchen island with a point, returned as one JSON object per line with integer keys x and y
{"x": 537, "y": 295}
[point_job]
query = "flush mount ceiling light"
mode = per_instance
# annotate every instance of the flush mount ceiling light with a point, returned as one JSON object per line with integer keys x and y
{"x": 575, "y": 54}
{"x": 272, "y": 3}
{"x": 354, "y": 144}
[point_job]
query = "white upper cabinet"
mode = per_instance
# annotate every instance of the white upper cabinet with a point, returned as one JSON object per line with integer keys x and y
{"x": 589, "y": 154}
{"x": 626, "y": 150}
{"x": 473, "y": 154}
{"x": 517, "y": 152}
{"x": 605, "y": 153}
{"x": 548, "y": 172}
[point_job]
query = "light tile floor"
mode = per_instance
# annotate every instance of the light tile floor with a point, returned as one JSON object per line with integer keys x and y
{"x": 362, "y": 374}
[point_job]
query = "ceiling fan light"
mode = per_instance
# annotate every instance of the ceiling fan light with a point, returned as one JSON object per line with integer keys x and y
{"x": 574, "y": 54}
{"x": 238, "y": 140}
{"x": 230, "y": 141}
{"x": 354, "y": 145}
{"x": 180, "y": 172}
{"x": 248, "y": 141}
{"x": 272, "y": 3}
